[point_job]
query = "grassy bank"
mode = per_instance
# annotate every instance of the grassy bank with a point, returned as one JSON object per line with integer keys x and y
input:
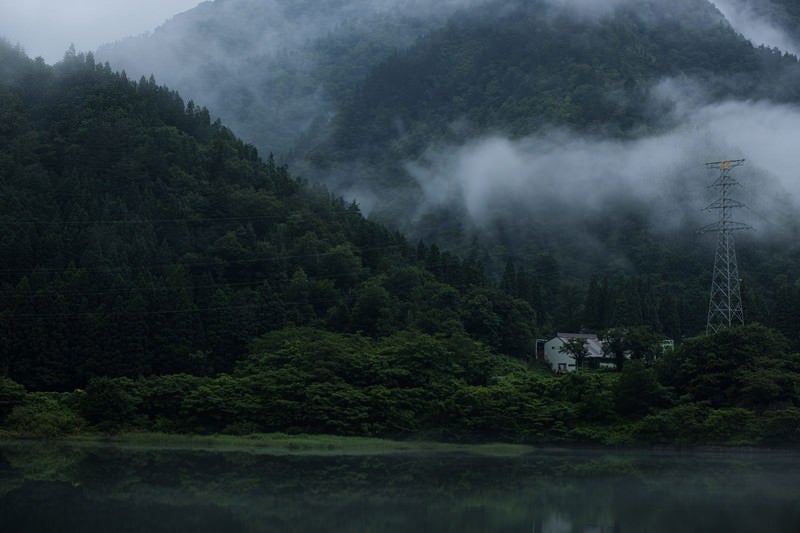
{"x": 278, "y": 444}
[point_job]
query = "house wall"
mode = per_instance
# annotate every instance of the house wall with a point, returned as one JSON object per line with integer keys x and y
{"x": 556, "y": 358}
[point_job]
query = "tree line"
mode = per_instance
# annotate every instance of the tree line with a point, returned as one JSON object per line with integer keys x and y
{"x": 739, "y": 387}
{"x": 142, "y": 238}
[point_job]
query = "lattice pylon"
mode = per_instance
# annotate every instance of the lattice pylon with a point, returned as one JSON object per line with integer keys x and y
{"x": 725, "y": 301}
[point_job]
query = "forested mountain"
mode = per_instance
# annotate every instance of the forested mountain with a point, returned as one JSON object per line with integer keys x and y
{"x": 396, "y": 85}
{"x": 140, "y": 237}
{"x": 539, "y": 128}
{"x": 174, "y": 280}
{"x": 530, "y": 68}
{"x": 560, "y": 144}
{"x": 273, "y": 70}
{"x": 774, "y": 16}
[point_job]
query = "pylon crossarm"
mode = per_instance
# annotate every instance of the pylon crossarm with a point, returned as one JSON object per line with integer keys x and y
{"x": 729, "y": 225}
{"x": 726, "y": 165}
{"x": 729, "y": 203}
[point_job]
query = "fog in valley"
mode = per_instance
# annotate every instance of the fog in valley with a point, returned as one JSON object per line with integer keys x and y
{"x": 199, "y": 340}
{"x": 745, "y": 18}
{"x": 274, "y": 71}
{"x": 562, "y": 171}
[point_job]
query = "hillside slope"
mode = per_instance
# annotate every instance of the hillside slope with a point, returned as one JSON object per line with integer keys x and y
{"x": 541, "y": 137}
{"x": 273, "y": 70}
{"x": 140, "y": 238}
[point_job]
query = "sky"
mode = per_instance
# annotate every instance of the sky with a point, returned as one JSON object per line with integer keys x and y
{"x": 47, "y": 27}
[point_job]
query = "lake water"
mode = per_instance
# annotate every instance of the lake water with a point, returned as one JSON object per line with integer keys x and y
{"x": 94, "y": 489}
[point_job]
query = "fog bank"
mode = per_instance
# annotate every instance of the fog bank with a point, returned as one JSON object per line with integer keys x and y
{"x": 560, "y": 171}
{"x": 46, "y": 28}
{"x": 746, "y": 20}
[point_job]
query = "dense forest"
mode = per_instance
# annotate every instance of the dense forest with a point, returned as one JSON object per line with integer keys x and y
{"x": 525, "y": 69}
{"x": 390, "y": 87}
{"x": 141, "y": 238}
{"x": 274, "y": 70}
{"x": 784, "y": 14}
{"x": 161, "y": 274}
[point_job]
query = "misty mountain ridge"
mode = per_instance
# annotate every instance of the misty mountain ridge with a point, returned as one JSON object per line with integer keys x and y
{"x": 374, "y": 99}
{"x": 359, "y": 95}
{"x": 177, "y": 281}
{"x": 528, "y": 127}
{"x": 293, "y": 64}
{"x": 537, "y": 137}
{"x": 772, "y": 23}
{"x": 272, "y": 69}
{"x": 143, "y": 238}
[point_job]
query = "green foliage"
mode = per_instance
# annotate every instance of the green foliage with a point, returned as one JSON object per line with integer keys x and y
{"x": 307, "y": 380}
{"x": 318, "y": 381}
{"x": 682, "y": 425}
{"x": 399, "y": 84}
{"x": 143, "y": 241}
{"x": 747, "y": 366}
{"x": 169, "y": 245}
{"x": 219, "y": 403}
{"x": 110, "y": 403}
{"x": 591, "y": 394}
{"x": 162, "y": 400}
{"x": 46, "y": 415}
{"x": 614, "y": 345}
{"x": 782, "y": 427}
{"x": 697, "y": 423}
{"x": 577, "y": 349}
{"x": 638, "y": 391}
{"x": 503, "y": 411}
{"x": 730, "y": 426}
{"x": 11, "y": 395}
{"x": 520, "y": 68}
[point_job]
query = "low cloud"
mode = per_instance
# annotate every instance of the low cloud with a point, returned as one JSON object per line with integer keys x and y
{"x": 590, "y": 7}
{"x": 561, "y": 171}
{"x": 746, "y": 19}
{"x": 46, "y": 28}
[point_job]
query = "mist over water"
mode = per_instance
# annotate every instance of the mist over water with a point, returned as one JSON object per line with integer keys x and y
{"x": 52, "y": 488}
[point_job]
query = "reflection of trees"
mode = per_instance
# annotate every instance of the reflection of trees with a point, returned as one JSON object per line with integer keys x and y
{"x": 549, "y": 492}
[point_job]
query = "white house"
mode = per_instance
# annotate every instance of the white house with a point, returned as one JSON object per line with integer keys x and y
{"x": 563, "y": 362}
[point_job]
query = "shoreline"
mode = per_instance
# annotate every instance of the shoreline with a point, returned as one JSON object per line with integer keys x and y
{"x": 279, "y": 444}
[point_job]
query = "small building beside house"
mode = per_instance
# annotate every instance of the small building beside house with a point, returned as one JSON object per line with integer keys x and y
{"x": 562, "y": 362}
{"x": 667, "y": 345}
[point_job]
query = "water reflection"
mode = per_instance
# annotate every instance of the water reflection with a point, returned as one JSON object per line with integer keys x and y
{"x": 108, "y": 489}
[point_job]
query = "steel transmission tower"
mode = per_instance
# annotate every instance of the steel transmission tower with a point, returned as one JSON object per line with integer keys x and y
{"x": 725, "y": 303}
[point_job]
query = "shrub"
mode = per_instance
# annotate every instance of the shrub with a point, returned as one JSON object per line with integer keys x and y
{"x": 110, "y": 403}
{"x": 45, "y": 415}
{"x": 11, "y": 395}
{"x": 782, "y": 427}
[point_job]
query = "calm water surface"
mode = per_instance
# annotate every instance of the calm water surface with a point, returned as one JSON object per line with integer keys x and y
{"x": 61, "y": 488}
